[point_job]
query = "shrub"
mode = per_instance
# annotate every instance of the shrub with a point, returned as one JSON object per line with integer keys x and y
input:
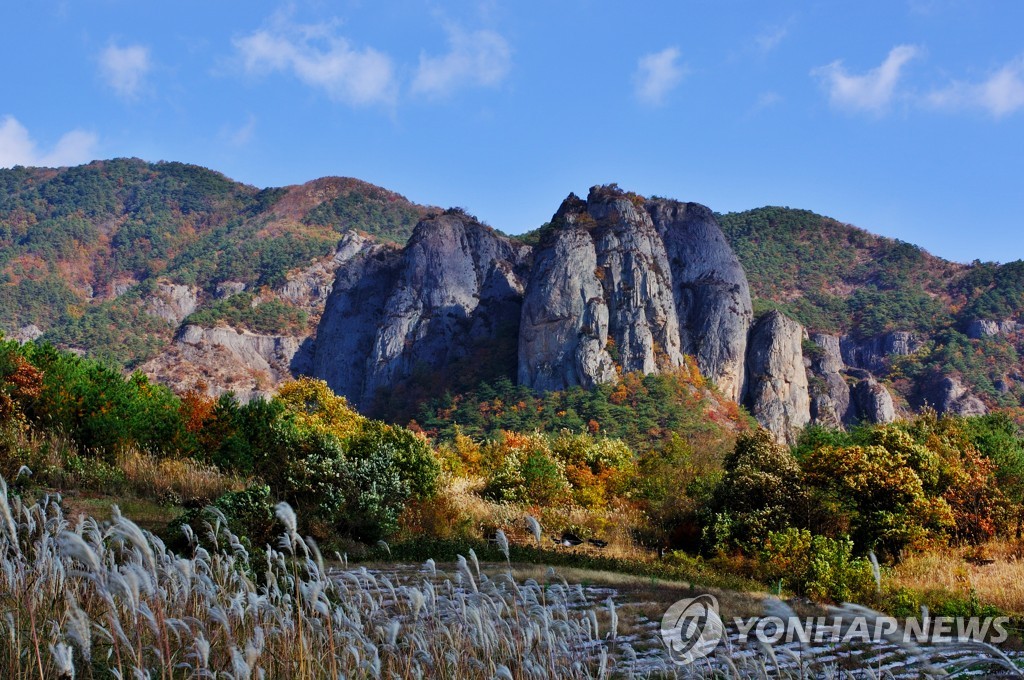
{"x": 250, "y": 515}
{"x": 761, "y": 491}
{"x": 819, "y": 567}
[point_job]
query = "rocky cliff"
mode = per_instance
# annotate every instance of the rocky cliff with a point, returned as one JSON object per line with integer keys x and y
{"x": 624, "y": 284}
{"x": 776, "y": 391}
{"x": 455, "y": 289}
{"x": 599, "y": 297}
{"x": 844, "y": 394}
{"x": 219, "y": 360}
{"x": 615, "y": 284}
{"x": 710, "y": 291}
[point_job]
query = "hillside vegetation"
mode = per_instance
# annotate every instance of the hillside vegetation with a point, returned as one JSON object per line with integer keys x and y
{"x": 836, "y": 278}
{"x": 92, "y": 257}
{"x": 82, "y": 249}
{"x": 725, "y": 503}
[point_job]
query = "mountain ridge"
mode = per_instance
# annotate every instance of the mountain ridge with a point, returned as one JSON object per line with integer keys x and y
{"x": 139, "y": 262}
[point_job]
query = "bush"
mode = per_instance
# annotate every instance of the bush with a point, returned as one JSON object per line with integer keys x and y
{"x": 528, "y": 474}
{"x": 819, "y": 567}
{"x": 761, "y": 492}
{"x": 250, "y": 515}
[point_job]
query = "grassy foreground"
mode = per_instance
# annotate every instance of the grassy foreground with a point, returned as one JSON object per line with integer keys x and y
{"x": 109, "y": 600}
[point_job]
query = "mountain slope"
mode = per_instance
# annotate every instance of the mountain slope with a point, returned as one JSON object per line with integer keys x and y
{"x": 964, "y": 320}
{"x": 110, "y": 257}
{"x": 200, "y": 280}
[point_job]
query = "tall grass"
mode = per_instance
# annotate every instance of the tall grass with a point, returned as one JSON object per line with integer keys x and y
{"x": 91, "y": 600}
{"x": 56, "y": 461}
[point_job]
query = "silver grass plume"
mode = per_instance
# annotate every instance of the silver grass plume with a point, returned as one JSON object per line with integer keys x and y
{"x": 875, "y": 570}
{"x": 535, "y": 528}
{"x": 287, "y": 516}
{"x": 63, "y": 659}
{"x": 502, "y": 541}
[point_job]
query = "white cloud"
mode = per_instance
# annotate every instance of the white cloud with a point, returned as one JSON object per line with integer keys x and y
{"x": 871, "y": 91}
{"x": 766, "y": 100}
{"x": 999, "y": 95}
{"x": 481, "y": 58}
{"x": 241, "y": 135}
{"x": 657, "y": 74}
{"x": 125, "y": 69}
{"x": 18, "y": 148}
{"x": 321, "y": 59}
{"x": 772, "y": 37}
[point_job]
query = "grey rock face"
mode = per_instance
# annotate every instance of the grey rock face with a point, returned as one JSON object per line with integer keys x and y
{"x": 457, "y": 285}
{"x": 948, "y": 395}
{"x": 353, "y": 314}
{"x": 599, "y": 295}
{"x": 831, "y": 403}
{"x": 871, "y": 353}
{"x": 834, "y": 402}
{"x": 172, "y": 302}
{"x": 119, "y": 288}
{"x": 984, "y": 328}
{"x": 563, "y": 337}
{"x": 460, "y": 285}
{"x": 27, "y": 333}
{"x": 777, "y": 390}
{"x": 637, "y": 287}
{"x": 222, "y": 359}
{"x": 275, "y": 354}
{"x": 874, "y": 402}
{"x": 710, "y": 290}
{"x": 226, "y": 289}
{"x": 310, "y": 287}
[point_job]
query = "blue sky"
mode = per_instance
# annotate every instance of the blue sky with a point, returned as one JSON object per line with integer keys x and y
{"x": 905, "y": 118}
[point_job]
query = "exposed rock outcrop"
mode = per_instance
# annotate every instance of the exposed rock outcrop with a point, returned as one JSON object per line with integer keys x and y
{"x": 777, "y": 393}
{"x": 172, "y": 302}
{"x": 226, "y": 289}
{"x": 353, "y": 313}
{"x": 710, "y": 290}
{"x": 831, "y": 403}
{"x": 460, "y": 285}
{"x": 457, "y": 285}
{"x": 620, "y": 283}
{"x": 838, "y": 401}
{"x": 873, "y": 402}
{"x": 984, "y": 328}
{"x": 563, "y": 337}
{"x": 225, "y": 359}
{"x": 946, "y": 394}
{"x": 27, "y": 333}
{"x": 599, "y": 296}
{"x": 871, "y": 353}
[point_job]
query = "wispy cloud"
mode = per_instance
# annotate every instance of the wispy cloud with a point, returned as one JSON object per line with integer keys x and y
{"x": 871, "y": 91}
{"x": 320, "y": 58}
{"x": 125, "y": 68}
{"x": 480, "y": 58}
{"x": 18, "y": 148}
{"x": 657, "y": 74}
{"x": 1001, "y": 94}
{"x": 772, "y": 36}
{"x": 241, "y": 135}
{"x": 766, "y": 100}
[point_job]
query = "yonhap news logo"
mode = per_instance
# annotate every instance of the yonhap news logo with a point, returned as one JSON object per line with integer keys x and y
{"x": 691, "y": 629}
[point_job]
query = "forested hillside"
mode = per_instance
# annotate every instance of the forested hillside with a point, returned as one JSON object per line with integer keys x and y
{"x": 836, "y": 278}
{"x": 84, "y": 250}
{"x": 115, "y": 258}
